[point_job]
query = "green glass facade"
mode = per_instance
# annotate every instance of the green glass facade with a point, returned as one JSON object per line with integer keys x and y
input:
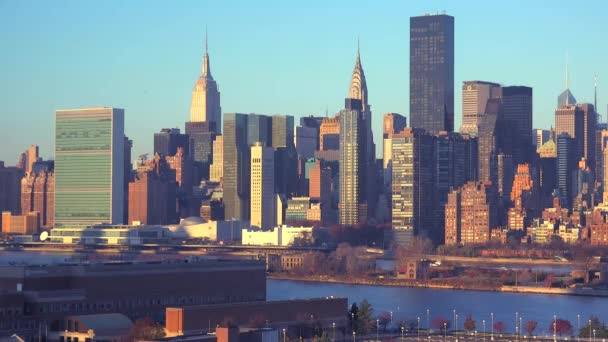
{"x": 88, "y": 166}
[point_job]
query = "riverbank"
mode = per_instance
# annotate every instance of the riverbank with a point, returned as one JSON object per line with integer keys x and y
{"x": 421, "y": 284}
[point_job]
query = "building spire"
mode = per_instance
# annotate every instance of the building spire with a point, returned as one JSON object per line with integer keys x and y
{"x": 358, "y": 85}
{"x": 206, "y": 67}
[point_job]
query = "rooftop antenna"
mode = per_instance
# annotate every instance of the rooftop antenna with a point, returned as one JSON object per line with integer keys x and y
{"x": 567, "y": 88}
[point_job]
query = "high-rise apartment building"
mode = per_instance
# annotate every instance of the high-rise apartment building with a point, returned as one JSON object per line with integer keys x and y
{"x": 413, "y": 185}
{"x": 262, "y": 187}
{"x": 89, "y": 166}
{"x": 470, "y": 214}
{"x": 475, "y": 96}
{"x": 517, "y": 112}
{"x": 432, "y": 72}
{"x": 168, "y": 140}
{"x": 217, "y": 168}
{"x": 205, "y": 105}
{"x": 352, "y": 203}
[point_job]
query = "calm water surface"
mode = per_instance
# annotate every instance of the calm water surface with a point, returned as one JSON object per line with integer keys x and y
{"x": 409, "y": 303}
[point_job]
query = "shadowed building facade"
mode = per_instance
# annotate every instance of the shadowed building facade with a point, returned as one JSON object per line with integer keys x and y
{"x": 413, "y": 185}
{"x": 432, "y": 72}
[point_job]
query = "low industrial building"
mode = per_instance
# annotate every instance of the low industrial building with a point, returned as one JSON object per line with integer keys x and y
{"x": 90, "y": 328}
{"x": 279, "y": 236}
{"x": 201, "y": 229}
{"x": 31, "y": 295}
{"x": 105, "y": 234}
{"x": 278, "y": 314}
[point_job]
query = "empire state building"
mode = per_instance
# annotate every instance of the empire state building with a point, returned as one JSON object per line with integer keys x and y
{"x": 206, "y": 98}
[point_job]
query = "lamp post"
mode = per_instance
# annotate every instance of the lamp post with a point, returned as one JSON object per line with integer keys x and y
{"x": 521, "y": 331}
{"x": 402, "y": 334}
{"x": 517, "y": 324}
{"x": 483, "y": 322}
{"x": 418, "y": 327}
{"x": 354, "y": 336}
{"x": 593, "y": 335}
{"x": 456, "y": 323}
{"x": 578, "y": 325}
{"x": 445, "y": 331}
{"x": 454, "y": 311}
{"x": 377, "y": 329}
{"x": 554, "y": 328}
{"x": 589, "y": 328}
{"x": 284, "y": 337}
{"x": 391, "y": 317}
{"x": 333, "y": 325}
{"x": 492, "y": 327}
{"x": 428, "y": 325}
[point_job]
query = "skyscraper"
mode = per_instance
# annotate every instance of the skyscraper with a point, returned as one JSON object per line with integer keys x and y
{"x": 262, "y": 186}
{"x": 205, "y": 105}
{"x": 37, "y": 192}
{"x": 475, "y": 96}
{"x": 217, "y": 168}
{"x": 393, "y": 123}
{"x": 517, "y": 113}
{"x": 357, "y": 152}
{"x": 10, "y": 189}
{"x": 153, "y": 193}
{"x": 570, "y": 119}
{"x": 236, "y": 166}
{"x": 352, "y": 203}
{"x": 31, "y": 156}
{"x": 89, "y": 166}
{"x": 201, "y": 136}
{"x": 432, "y": 72}
{"x": 589, "y": 134}
{"x": 413, "y": 185}
{"x": 286, "y": 156}
{"x": 548, "y": 169}
{"x": 566, "y": 164}
{"x": 329, "y": 134}
{"x": 168, "y": 140}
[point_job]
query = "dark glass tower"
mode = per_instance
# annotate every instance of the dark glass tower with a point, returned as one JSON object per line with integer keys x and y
{"x": 236, "y": 167}
{"x": 432, "y": 72}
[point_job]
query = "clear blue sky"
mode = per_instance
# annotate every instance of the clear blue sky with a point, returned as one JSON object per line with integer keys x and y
{"x": 272, "y": 57}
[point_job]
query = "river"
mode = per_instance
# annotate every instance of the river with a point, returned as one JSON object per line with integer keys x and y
{"x": 409, "y": 303}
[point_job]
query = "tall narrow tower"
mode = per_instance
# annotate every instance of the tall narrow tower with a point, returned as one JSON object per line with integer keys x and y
{"x": 205, "y": 105}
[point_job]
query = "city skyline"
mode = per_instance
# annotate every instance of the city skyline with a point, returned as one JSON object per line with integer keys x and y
{"x": 76, "y": 76}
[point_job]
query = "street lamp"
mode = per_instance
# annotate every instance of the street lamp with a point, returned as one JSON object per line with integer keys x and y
{"x": 354, "y": 336}
{"x": 391, "y": 317}
{"x": 554, "y": 328}
{"x": 418, "y": 327}
{"x": 428, "y": 326}
{"x": 484, "y": 329}
{"x": 377, "y": 329}
{"x": 517, "y": 324}
{"x": 445, "y": 331}
{"x": 578, "y": 325}
{"x": 456, "y": 323}
{"x": 492, "y": 327}
{"x": 454, "y": 311}
{"x": 333, "y": 325}
{"x": 593, "y": 335}
{"x": 402, "y": 334}
{"x": 589, "y": 328}
{"x": 284, "y": 338}
{"x": 521, "y": 331}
